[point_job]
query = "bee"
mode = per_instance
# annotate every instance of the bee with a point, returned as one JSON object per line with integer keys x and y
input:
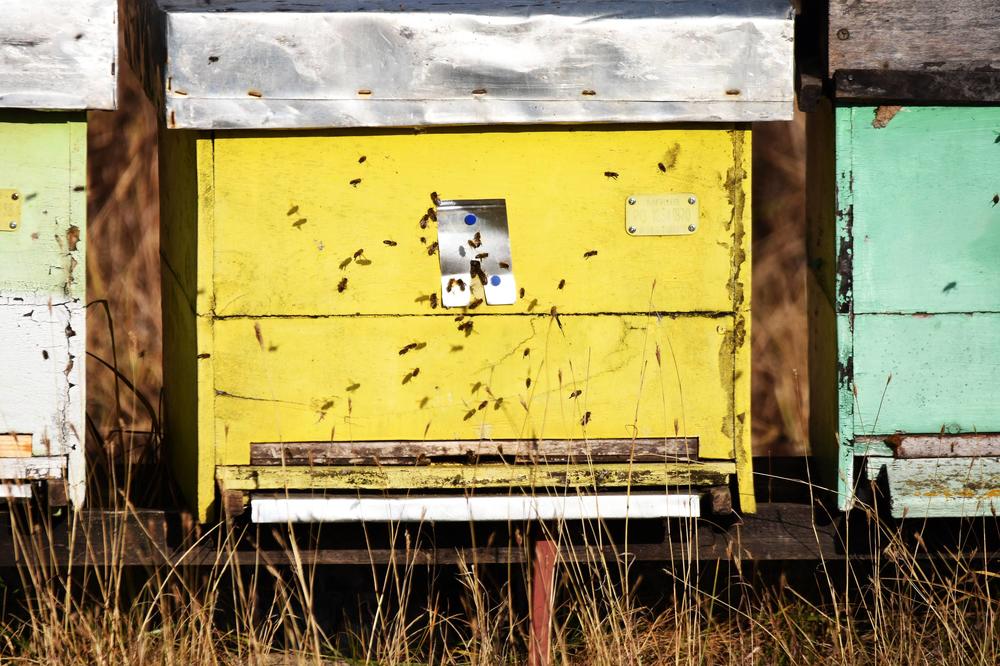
{"x": 326, "y": 405}
{"x": 562, "y": 283}
{"x": 342, "y": 285}
{"x": 522, "y": 292}
{"x": 423, "y": 222}
{"x": 533, "y": 304}
{"x": 475, "y": 304}
{"x": 613, "y": 175}
{"x": 299, "y": 222}
{"x": 410, "y": 375}
{"x": 586, "y": 419}
{"x": 416, "y": 371}
{"x": 432, "y": 248}
{"x": 364, "y": 262}
{"x": 435, "y": 198}
{"x": 420, "y": 345}
{"x": 424, "y": 401}
{"x": 45, "y": 355}
{"x": 423, "y": 240}
{"x": 589, "y": 253}
{"x": 390, "y": 243}
{"x": 588, "y": 92}
{"x": 662, "y": 167}
{"x": 355, "y": 182}
{"x": 353, "y": 387}
{"x": 527, "y": 382}
{"x": 504, "y": 265}
{"x": 361, "y": 160}
{"x": 451, "y": 283}
{"x": 477, "y": 271}
{"x": 476, "y": 387}
{"x": 498, "y": 404}
{"x": 457, "y": 348}
{"x": 359, "y": 253}
{"x": 431, "y": 213}
{"x": 466, "y": 328}
{"x": 469, "y": 414}
{"x": 479, "y": 91}
{"x": 434, "y": 301}
{"x": 345, "y": 263}
{"x": 292, "y": 211}
{"x": 461, "y": 284}
{"x": 527, "y": 351}
{"x": 996, "y": 199}
{"x": 407, "y": 348}
{"x": 483, "y": 404}
{"x": 575, "y": 394}
{"x": 482, "y": 255}
{"x": 258, "y": 334}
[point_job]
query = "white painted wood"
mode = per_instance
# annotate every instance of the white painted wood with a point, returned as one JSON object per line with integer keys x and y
{"x": 36, "y": 468}
{"x": 471, "y": 509}
{"x": 42, "y": 383}
{"x": 58, "y": 54}
{"x": 940, "y": 487}
{"x": 15, "y": 490}
{"x": 333, "y": 63}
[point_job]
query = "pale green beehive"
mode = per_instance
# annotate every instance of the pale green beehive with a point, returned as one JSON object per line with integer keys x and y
{"x": 57, "y": 59}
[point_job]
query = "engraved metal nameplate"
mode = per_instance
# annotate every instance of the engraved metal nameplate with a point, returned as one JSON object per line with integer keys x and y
{"x": 474, "y": 246}
{"x": 674, "y": 214}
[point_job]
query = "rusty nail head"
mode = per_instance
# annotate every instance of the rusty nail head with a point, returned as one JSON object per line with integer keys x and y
{"x": 843, "y": 34}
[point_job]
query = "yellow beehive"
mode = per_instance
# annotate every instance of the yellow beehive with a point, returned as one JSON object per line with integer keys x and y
{"x": 305, "y": 294}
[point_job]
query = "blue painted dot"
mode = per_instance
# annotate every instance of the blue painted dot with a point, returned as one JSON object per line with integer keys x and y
{"x": 470, "y": 219}
{"x": 495, "y": 280}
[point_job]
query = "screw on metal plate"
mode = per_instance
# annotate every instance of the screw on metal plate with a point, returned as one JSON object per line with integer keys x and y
{"x": 10, "y": 210}
{"x": 474, "y": 246}
{"x": 671, "y": 214}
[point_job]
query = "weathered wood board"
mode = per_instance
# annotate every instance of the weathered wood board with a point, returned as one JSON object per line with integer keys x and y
{"x": 905, "y": 249}
{"x": 42, "y": 288}
{"x": 280, "y": 330}
{"x": 58, "y": 54}
{"x": 940, "y": 487}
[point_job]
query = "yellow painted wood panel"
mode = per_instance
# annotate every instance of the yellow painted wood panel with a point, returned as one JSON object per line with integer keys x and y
{"x": 291, "y": 211}
{"x": 343, "y": 379}
{"x": 464, "y": 477}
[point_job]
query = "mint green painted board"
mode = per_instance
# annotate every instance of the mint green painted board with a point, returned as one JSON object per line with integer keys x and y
{"x": 940, "y": 487}
{"x": 945, "y": 373}
{"x": 43, "y": 155}
{"x": 926, "y": 228}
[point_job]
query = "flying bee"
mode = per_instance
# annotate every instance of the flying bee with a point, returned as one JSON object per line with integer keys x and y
{"x": 423, "y": 222}
{"x": 498, "y": 404}
{"x": 360, "y": 252}
{"x": 475, "y": 304}
{"x": 345, "y": 263}
{"x": 342, "y": 285}
{"x": 355, "y": 182}
{"x": 482, "y": 255}
{"x": 504, "y": 265}
{"x": 434, "y": 301}
{"x": 483, "y": 404}
{"x": 575, "y": 394}
{"x": 527, "y": 351}
{"x": 562, "y": 283}
{"x": 361, "y": 160}
{"x": 407, "y": 348}
{"x": 533, "y": 304}
{"x": 353, "y": 387}
{"x": 613, "y": 175}
{"x": 431, "y": 213}
{"x": 522, "y": 292}
{"x": 586, "y": 419}
{"x": 469, "y": 414}
{"x": 662, "y": 167}
{"x": 390, "y": 243}
{"x": 589, "y": 253}
{"x": 432, "y": 248}
{"x": 527, "y": 382}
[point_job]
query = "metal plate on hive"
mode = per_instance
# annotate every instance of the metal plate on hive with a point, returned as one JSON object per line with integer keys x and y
{"x": 10, "y": 210}
{"x": 673, "y": 214}
{"x": 474, "y": 245}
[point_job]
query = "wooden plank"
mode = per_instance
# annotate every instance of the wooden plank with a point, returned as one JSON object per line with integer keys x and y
{"x": 37, "y": 468}
{"x": 15, "y": 446}
{"x": 926, "y": 374}
{"x": 969, "y": 445}
{"x": 521, "y": 451}
{"x": 58, "y": 54}
{"x": 287, "y": 250}
{"x": 924, "y": 168}
{"x": 462, "y": 477}
{"x": 941, "y": 487}
{"x": 512, "y": 377}
{"x": 914, "y": 35}
{"x": 923, "y": 87}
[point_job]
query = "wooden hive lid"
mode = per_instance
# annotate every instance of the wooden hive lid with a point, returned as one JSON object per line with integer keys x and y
{"x": 906, "y": 50}
{"x": 58, "y": 54}
{"x": 282, "y": 64}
